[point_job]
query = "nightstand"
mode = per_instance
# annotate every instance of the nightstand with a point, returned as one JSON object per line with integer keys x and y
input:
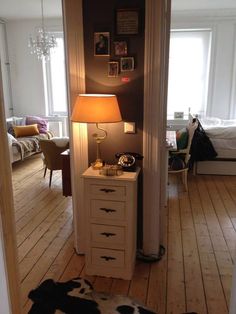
{"x": 111, "y": 223}
{"x": 66, "y": 178}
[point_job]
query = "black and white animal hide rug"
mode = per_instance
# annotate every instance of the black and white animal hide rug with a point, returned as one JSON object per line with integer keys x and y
{"x": 78, "y": 297}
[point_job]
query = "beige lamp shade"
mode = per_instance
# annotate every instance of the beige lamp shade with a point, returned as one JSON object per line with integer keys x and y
{"x": 96, "y": 108}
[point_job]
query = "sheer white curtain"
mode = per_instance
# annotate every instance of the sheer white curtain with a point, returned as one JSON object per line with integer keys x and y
{"x": 188, "y": 71}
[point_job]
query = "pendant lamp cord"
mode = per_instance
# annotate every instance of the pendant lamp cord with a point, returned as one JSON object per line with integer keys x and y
{"x": 42, "y": 15}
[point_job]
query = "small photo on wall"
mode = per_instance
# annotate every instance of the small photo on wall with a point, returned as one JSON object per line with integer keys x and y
{"x": 120, "y": 48}
{"x": 113, "y": 68}
{"x": 102, "y": 44}
{"x": 126, "y": 64}
{"x": 178, "y": 115}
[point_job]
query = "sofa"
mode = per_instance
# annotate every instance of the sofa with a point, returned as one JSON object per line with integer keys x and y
{"x": 24, "y": 134}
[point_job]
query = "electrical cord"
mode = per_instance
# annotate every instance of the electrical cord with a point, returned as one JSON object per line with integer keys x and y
{"x": 151, "y": 258}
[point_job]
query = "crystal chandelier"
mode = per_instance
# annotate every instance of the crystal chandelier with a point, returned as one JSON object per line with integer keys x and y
{"x": 43, "y": 42}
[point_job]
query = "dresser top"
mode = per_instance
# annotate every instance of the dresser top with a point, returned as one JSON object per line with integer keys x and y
{"x": 94, "y": 174}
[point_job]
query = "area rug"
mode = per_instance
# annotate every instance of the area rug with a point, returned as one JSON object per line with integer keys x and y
{"x": 77, "y": 296}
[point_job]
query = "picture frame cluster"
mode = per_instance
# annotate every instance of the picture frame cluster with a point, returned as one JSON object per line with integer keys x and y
{"x": 127, "y": 23}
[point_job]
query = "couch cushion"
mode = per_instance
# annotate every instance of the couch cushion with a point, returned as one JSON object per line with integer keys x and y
{"x": 182, "y": 138}
{"x": 12, "y": 121}
{"x": 41, "y": 123}
{"x": 11, "y": 139}
{"x": 26, "y": 130}
{"x": 60, "y": 141}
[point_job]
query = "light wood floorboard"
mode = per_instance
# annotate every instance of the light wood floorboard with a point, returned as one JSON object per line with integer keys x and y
{"x": 195, "y": 273}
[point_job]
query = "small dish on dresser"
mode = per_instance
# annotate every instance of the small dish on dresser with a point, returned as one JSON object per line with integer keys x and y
{"x": 111, "y": 170}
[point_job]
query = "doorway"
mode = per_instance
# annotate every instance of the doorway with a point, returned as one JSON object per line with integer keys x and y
{"x": 36, "y": 206}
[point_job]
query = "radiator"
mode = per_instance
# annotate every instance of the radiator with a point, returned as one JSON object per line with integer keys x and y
{"x": 58, "y": 125}
{"x": 56, "y": 128}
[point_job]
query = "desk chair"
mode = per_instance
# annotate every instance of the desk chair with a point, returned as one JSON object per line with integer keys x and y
{"x": 51, "y": 150}
{"x": 185, "y": 155}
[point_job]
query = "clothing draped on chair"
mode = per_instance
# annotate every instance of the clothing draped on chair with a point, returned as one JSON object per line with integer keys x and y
{"x": 184, "y": 154}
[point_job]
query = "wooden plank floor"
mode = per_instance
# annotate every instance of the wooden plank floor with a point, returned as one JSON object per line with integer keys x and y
{"x": 195, "y": 273}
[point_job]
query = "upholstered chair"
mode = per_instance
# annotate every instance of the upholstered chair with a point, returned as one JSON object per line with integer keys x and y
{"x": 185, "y": 155}
{"x": 51, "y": 154}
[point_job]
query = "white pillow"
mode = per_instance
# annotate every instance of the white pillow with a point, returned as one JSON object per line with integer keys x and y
{"x": 11, "y": 139}
{"x": 60, "y": 141}
{"x": 210, "y": 121}
{"x": 228, "y": 122}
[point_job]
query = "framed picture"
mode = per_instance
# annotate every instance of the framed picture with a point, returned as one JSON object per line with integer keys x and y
{"x": 120, "y": 48}
{"x": 126, "y": 64}
{"x": 178, "y": 115}
{"x": 102, "y": 44}
{"x": 113, "y": 68}
{"x": 127, "y": 21}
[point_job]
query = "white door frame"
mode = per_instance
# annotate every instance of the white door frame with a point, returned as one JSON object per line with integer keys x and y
{"x": 9, "y": 286}
{"x": 73, "y": 22}
{"x": 157, "y": 30}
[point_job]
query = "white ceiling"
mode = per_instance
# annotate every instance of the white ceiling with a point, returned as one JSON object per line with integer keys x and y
{"x": 179, "y": 5}
{"x": 21, "y": 9}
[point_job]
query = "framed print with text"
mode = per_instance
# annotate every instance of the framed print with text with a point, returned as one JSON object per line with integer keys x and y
{"x": 127, "y": 21}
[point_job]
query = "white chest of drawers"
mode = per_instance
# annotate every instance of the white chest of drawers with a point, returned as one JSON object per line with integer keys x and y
{"x": 111, "y": 221}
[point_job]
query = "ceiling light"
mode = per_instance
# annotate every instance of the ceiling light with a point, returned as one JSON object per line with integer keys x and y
{"x": 43, "y": 42}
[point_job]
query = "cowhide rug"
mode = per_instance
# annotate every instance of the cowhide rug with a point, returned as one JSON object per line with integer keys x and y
{"x": 78, "y": 297}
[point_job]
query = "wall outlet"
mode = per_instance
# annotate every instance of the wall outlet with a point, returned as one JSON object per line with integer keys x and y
{"x": 129, "y": 127}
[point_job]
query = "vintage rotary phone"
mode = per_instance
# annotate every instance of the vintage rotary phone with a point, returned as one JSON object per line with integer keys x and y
{"x": 127, "y": 160}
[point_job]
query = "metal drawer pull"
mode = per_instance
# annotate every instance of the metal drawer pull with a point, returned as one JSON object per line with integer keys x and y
{"x": 108, "y": 234}
{"x": 107, "y": 210}
{"x": 107, "y": 190}
{"x": 108, "y": 258}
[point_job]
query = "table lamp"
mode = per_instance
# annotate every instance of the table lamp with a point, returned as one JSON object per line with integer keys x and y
{"x": 96, "y": 108}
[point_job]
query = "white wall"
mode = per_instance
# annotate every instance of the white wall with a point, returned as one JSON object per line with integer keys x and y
{"x": 219, "y": 104}
{"x": 25, "y": 69}
{"x": 222, "y": 92}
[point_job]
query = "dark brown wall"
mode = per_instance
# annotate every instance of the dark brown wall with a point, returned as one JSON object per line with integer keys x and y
{"x": 99, "y": 16}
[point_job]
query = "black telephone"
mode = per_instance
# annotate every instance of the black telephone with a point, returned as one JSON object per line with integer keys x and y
{"x": 127, "y": 160}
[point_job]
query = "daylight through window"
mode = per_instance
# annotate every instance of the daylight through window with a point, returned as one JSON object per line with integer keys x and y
{"x": 188, "y": 71}
{"x": 55, "y": 80}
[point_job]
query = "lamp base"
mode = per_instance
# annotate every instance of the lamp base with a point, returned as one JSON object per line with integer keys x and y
{"x": 97, "y": 164}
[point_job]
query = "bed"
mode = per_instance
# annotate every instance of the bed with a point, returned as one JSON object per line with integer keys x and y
{"x": 222, "y": 134}
{"x": 21, "y": 147}
{"x": 24, "y": 147}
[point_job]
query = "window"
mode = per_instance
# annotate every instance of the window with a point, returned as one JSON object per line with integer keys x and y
{"x": 55, "y": 80}
{"x": 188, "y": 71}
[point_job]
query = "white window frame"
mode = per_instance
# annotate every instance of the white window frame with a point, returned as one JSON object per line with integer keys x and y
{"x": 48, "y": 85}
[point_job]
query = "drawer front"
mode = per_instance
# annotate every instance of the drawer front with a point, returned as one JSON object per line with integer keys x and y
{"x": 107, "y": 190}
{"x": 108, "y": 209}
{"x": 106, "y": 257}
{"x": 108, "y": 234}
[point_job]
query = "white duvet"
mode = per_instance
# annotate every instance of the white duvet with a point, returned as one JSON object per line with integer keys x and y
{"x": 217, "y": 128}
